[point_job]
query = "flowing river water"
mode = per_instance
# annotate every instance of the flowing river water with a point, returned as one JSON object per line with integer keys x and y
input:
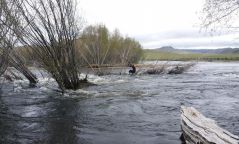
{"x": 120, "y": 109}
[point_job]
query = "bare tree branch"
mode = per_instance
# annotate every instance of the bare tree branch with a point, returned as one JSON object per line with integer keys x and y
{"x": 220, "y": 14}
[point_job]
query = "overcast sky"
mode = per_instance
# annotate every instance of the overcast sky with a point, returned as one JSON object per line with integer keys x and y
{"x": 156, "y": 23}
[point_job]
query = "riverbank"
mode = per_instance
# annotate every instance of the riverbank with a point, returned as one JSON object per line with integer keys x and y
{"x": 170, "y": 56}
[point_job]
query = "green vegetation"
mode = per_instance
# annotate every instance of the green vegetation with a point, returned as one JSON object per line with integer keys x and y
{"x": 99, "y": 47}
{"x": 156, "y": 55}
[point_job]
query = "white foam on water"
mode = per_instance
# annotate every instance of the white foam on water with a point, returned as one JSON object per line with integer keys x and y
{"x": 31, "y": 111}
{"x": 79, "y": 91}
{"x": 45, "y": 80}
{"x": 120, "y": 81}
{"x": 230, "y": 75}
{"x": 95, "y": 79}
{"x": 17, "y": 89}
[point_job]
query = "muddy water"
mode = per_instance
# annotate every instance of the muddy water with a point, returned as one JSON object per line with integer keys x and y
{"x": 122, "y": 109}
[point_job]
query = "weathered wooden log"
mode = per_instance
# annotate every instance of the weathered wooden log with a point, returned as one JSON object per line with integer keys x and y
{"x": 176, "y": 70}
{"x": 197, "y": 129}
{"x": 155, "y": 70}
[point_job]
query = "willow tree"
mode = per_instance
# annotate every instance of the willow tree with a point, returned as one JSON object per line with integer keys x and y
{"x": 7, "y": 37}
{"x": 131, "y": 51}
{"x": 4, "y": 51}
{"x": 49, "y": 28}
{"x": 99, "y": 46}
{"x": 221, "y": 14}
{"x": 116, "y": 45}
{"x": 10, "y": 21}
{"x": 96, "y": 44}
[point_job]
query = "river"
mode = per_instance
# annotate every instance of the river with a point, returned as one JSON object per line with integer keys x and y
{"x": 120, "y": 109}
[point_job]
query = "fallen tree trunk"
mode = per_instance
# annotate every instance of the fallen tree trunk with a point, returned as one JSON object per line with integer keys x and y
{"x": 197, "y": 129}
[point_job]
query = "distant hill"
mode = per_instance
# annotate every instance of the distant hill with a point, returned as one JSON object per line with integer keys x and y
{"x": 170, "y": 49}
{"x": 167, "y": 49}
{"x": 200, "y": 51}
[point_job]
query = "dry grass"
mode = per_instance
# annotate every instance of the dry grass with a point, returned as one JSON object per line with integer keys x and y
{"x": 168, "y": 56}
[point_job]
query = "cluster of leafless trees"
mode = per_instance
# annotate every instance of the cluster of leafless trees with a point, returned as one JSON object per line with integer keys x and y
{"x": 48, "y": 31}
{"x": 49, "y": 28}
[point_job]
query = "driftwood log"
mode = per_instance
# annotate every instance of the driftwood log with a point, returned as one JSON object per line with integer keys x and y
{"x": 197, "y": 129}
{"x": 140, "y": 69}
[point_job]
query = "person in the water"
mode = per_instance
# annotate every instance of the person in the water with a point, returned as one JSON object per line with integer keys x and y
{"x": 133, "y": 70}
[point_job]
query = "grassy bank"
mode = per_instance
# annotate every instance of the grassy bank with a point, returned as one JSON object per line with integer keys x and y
{"x": 156, "y": 55}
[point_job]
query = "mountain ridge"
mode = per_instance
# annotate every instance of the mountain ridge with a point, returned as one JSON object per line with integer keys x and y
{"x": 200, "y": 51}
